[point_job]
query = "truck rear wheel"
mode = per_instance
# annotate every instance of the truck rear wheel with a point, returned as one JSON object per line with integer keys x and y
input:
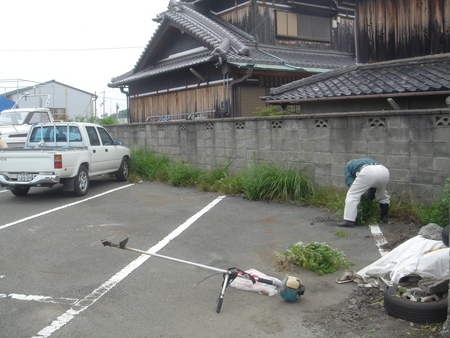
{"x": 81, "y": 182}
{"x": 20, "y": 191}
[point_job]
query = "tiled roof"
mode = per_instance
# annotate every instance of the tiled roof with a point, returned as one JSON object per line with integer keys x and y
{"x": 424, "y": 74}
{"x": 228, "y": 43}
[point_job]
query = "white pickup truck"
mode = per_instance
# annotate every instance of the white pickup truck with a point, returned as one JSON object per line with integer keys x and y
{"x": 63, "y": 152}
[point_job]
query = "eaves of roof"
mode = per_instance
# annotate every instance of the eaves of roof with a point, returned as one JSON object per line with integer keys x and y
{"x": 227, "y": 43}
{"x": 157, "y": 69}
{"x": 395, "y": 78}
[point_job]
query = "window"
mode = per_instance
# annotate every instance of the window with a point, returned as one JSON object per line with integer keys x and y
{"x": 301, "y": 26}
{"x": 61, "y": 134}
{"x": 106, "y": 139}
{"x": 286, "y": 24}
{"x": 74, "y": 134}
{"x": 93, "y": 137}
{"x": 39, "y": 118}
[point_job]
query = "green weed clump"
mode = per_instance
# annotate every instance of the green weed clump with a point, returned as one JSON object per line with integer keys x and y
{"x": 230, "y": 185}
{"x": 148, "y": 165}
{"x": 219, "y": 179}
{"x": 267, "y": 181}
{"x": 210, "y": 180}
{"x": 405, "y": 207}
{"x": 318, "y": 257}
{"x": 438, "y": 211}
{"x": 183, "y": 174}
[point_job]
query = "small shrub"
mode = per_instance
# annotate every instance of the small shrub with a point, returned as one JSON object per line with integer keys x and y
{"x": 107, "y": 120}
{"x": 269, "y": 111}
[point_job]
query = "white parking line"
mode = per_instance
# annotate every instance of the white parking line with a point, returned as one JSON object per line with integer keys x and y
{"x": 62, "y": 207}
{"x": 90, "y": 299}
{"x": 379, "y": 238}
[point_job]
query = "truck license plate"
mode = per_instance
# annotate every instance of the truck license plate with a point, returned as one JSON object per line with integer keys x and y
{"x": 24, "y": 177}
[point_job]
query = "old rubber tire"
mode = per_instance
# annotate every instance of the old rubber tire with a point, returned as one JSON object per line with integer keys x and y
{"x": 416, "y": 312}
{"x": 20, "y": 191}
{"x": 81, "y": 182}
{"x": 124, "y": 170}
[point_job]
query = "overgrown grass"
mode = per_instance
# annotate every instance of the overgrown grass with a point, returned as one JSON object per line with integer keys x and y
{"x": 439, "y": 209}
{"x": 182, "y": 174}
{"x": 147, "y": 165}
{"x": 268, "y": 181}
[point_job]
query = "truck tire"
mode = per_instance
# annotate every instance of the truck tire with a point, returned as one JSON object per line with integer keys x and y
{"x": 416, "y": 312}
{"x": 20, "y": 191}
{"x": 124, "y": 170}
{"x": 81, "y": 182}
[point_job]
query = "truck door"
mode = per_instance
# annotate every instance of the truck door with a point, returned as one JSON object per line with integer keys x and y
{"x": 103, "y": 154}
{"x": 98, "y": 153}
{"x": 112, "y": 157}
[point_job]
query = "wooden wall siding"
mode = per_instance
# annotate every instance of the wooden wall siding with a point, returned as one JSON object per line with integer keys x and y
{"x": 181, "y": 102}
{"x": 396, "y": 29}
{"x": 261, "y": 22}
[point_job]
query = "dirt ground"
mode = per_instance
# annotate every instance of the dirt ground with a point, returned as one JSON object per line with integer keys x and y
{"x": 362, "y": 314}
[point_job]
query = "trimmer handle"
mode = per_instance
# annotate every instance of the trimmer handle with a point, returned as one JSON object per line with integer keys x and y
{"x": 268, "y": 281}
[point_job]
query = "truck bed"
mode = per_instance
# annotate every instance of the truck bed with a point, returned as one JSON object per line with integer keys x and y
{"x": 34, "y": 159}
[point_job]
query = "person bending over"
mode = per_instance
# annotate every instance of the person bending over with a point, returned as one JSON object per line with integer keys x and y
{"x": 365, "y": 175}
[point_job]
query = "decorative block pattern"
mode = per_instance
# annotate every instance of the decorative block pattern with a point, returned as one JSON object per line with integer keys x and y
{"x": 377, "y": 122}
{"x": 277, "y": 124}
{"x": 321, "y": 123}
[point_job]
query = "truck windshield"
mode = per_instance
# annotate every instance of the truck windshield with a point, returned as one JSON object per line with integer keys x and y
{"x": 23, "y": 117}
{"x": 8, "y": 119}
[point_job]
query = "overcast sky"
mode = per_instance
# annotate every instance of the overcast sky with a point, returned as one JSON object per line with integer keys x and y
{"x": 82, "y": 43}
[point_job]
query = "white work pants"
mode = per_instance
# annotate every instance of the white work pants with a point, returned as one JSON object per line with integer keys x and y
{"x": 371, "y": 176}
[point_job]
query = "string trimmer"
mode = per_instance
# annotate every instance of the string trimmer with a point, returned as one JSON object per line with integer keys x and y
{"x": 290, "y": 287}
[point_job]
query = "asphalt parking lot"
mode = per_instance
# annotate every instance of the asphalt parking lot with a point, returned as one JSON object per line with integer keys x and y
{"x": 57, "y": 279}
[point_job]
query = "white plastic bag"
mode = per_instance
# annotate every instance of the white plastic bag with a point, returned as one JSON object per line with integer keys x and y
{"x": 261, "y": 288}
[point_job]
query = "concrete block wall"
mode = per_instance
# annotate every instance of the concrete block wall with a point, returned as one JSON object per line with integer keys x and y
{"x": 414, "y": 145}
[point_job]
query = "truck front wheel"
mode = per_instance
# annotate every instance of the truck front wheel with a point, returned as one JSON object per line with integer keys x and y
{"x": 81, "y": 182}
{"x": 122, "y": 173}
{"x": 20, "y": 191}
